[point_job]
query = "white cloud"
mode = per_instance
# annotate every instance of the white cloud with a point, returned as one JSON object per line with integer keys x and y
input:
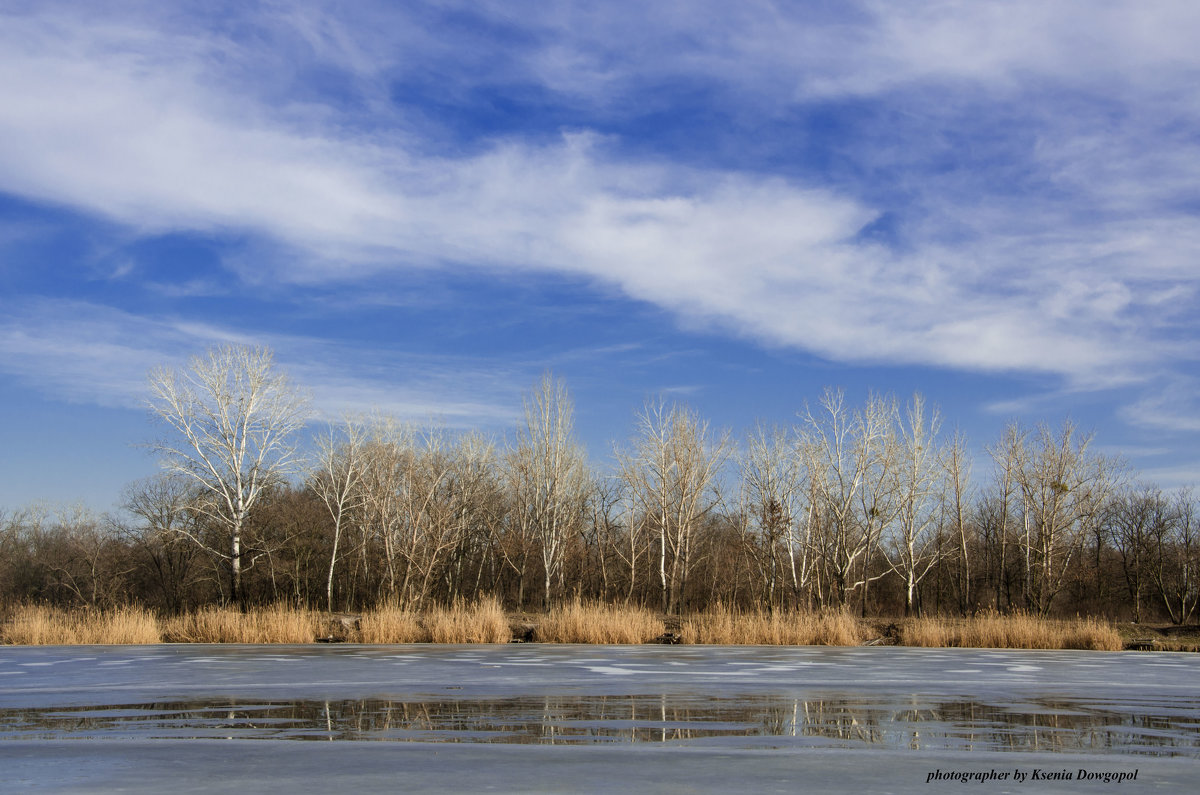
{"x": 787, "y": 53}
{"x": 1173, "y": 405}
{"x": 1172, "y": 478}
{"x": 92, "y": 354}
{"x": 161, "y": 127}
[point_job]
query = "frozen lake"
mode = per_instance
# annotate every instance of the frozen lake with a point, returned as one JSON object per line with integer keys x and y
{"x": 594, "y": 718}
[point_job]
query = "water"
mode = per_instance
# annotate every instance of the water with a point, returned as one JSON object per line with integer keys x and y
{"x": 1129, "y": 726}
{"x": 766, "y": 711}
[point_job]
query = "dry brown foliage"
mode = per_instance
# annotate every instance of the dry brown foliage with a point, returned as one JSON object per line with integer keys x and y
{"x": 482, "y": 622}
{"x": 391, "y": 623}
{"x": 277, "y": 624}
{"x": 790, "y": 628}
{"x": 597, "y": 623}
{"x": 36, "y": 625}
{"x": 486, "y": 622}
{"x": 1017, "y": 631}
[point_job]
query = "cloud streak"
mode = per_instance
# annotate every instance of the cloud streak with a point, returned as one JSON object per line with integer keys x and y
{"x": 93, "y": 354}
{"x": 1066, "y": 249}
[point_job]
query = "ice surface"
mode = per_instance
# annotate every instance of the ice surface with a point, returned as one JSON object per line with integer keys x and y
{"x": 587, "y": 718}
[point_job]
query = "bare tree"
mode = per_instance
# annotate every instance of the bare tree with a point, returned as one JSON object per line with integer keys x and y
{"x": 547, "y": 475}
{"x": 603, "y": 533}
{"x": 86, "y": 559}
{"x": 430, "y": 511}
{"x": 1175, "y": 558}
{"x": 672, "y": 473}
{"x": 617, "y": 530}
{"x": 1134, "y": 519}
{"x": 848, "y": 459}
{"x": 407, "y": 504}
{"x": 957, "y": 501}
{"x": 428, "y": 500}
{"x": 774, "y": 506}
{"x": 918, "y": 470}
{"x": 479, "y": 508}
{"x": 169, "y": 534}
{"x": 999, "y": 512}
{"x": 1063, "y": 490}
{"x": 338, "y": 482}
{"x": 234, "y": 419}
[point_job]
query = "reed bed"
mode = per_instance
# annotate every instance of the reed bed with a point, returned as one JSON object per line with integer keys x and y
{"x": 597, "y": 623}
{"x": 789, "y": 628}
{"x": 391, "y": 623}
{"x": 482, "y": 622}
{"x": 486, "y": 622}
{"x": 277, "y": 624}
{"x": 37, "y": 625}
{"x": 1017, "y": 631}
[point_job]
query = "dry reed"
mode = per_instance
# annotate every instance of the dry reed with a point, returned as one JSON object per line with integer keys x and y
{"x": 1093, "y": 635}
{"x": 277, "y": 624}
{"x": 790, "y": 628}
{"x": 929, "y": 632}
{"x": 37, "y": 625}
{"x": 391, "y": 623}
{"x": 1017, "y": 631}
{"x": 486, "y": 622}
{"x": 483, "y": 622}
{"x": 597, "y": 623}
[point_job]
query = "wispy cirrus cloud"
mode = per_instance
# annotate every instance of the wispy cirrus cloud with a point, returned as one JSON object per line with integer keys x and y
{"x": 1045, "y": 197}
{"x": 93, "y": 354}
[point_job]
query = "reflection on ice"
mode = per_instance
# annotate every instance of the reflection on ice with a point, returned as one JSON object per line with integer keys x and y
{"x": 914, "y": 722}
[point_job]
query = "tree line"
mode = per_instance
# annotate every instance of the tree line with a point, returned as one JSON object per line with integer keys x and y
{"x": 872, "y": 508}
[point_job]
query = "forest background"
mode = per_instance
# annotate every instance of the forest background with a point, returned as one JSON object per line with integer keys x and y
{"x": 874, "y": 508}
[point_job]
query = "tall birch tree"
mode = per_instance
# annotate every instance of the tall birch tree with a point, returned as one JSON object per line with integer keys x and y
{"x": 672, "y": 473}
{"x": 774, "y": 507}
{"x": 547, "y": 474}
{"x": 914, "y": 549}
{"x": 848, "y": 459}
{"x": 232, "y": 419}
{"x": 338, "y": 482}
{"x": 1063, "y": 489}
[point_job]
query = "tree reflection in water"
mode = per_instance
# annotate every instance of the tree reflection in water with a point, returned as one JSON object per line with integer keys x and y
{"x": 913, "y": 722}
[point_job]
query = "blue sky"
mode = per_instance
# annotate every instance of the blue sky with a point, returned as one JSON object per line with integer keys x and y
{"x": 422, "y": 206}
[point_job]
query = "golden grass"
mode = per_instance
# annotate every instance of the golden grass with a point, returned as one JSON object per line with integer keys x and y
{"x": 927, "y": 632}
{"x": 486, "y": 622}
{"x": 390, "y": 623}
{"x": 791, "y": 628}
{"x": 1017, "y": 631}
{"x": 37, "y": 625}
{"x": 597, "y": 623}
{"x": 277, "y": 624}
{"x": 1094, "y": 635}
{"x": 482, "y": 622}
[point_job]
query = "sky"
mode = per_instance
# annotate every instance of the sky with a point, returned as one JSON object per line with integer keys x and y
{"x": 422, "y": 206}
